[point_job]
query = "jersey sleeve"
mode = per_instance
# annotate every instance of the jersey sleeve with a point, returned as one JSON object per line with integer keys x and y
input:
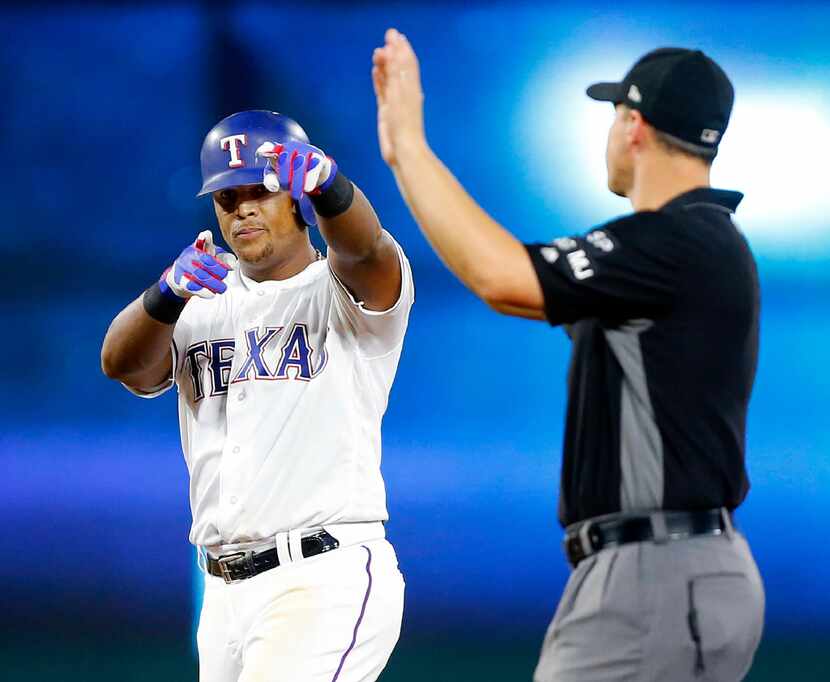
{"x": 377, "y": 332}
{"x": 625, "y": 269}
{"x": 178, "y": 344}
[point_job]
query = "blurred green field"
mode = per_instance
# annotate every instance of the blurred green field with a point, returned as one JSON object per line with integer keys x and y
{"x": 118, "y": 656}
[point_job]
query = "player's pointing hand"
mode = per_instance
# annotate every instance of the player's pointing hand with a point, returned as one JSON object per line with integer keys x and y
{"x": 199, "y": 270}
{"x": 297, "y": 166}
{"x": 397, "y": 80}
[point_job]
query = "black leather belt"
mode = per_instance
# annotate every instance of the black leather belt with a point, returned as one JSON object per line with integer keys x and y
{"x": 592, "y": 535}
{"x": 242, "y": 565}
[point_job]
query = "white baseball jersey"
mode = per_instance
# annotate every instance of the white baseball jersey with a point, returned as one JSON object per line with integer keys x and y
{"x": 282, "y": 388}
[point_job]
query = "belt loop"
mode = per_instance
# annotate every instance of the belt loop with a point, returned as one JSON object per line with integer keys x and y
{"x": 659, "y": 531}
{"x": 201, "y": 558}
{"x": 295, "y": 545}
{"x": 283, "y": 553}
{"x": 585, "y": 538}
{"x": 728, "y": 528}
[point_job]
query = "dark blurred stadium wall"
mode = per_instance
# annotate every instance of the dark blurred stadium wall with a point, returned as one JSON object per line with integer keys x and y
{"x": 105, "y": 108}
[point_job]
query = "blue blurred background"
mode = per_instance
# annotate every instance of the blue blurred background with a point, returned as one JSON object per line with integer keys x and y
{"x": 104, "y": 111}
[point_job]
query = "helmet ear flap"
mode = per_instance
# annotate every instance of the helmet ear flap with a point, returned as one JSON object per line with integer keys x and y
{"x": 307, "y": 211}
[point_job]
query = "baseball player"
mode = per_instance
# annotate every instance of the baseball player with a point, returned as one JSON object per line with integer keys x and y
{"x": 283, "y": 360}
{"x": 662, "y": 309}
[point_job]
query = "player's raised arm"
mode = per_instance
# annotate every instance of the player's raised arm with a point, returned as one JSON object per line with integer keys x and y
{"x": 136, "y": 348}
{"x": 482, "y": 254}
{"x": 360, "y": 253}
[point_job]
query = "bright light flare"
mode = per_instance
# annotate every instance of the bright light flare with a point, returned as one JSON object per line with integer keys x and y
{"x": 776, "y": 151}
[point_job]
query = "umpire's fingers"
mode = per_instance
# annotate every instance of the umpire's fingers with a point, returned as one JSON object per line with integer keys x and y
{"x": 379, "y": 82}
{"x": 401, "y": 57}
{"x": 379, "y": 56}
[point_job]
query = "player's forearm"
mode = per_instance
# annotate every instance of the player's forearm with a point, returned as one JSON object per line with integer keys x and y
{"x": 362, "y": 256}
{"x": 469, "y": 242}
{"x": 354, "y": 234}
{"x": 136, "y": 348}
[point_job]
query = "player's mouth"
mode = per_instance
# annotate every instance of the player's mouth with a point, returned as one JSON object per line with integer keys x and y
{"x": 246, "y": 233}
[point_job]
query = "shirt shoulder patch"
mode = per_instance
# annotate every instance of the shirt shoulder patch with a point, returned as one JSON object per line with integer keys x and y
{"x": 601, "y": 240}
{"x": 549, "y": 253}
{"x": 581, "y": 265}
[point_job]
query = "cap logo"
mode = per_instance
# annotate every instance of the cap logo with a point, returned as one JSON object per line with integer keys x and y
{"x": 634, "y": 94}
{"x": 231, "y": 143}
{"x": 709, "y": 136}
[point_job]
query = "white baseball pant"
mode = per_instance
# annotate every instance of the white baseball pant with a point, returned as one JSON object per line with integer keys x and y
{"x": 335, "y": 617}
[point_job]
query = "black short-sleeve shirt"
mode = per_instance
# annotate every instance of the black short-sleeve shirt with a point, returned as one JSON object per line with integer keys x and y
{"x": 662, "y": 309}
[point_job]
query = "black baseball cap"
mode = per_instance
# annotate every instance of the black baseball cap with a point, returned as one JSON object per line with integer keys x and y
{"x": 682, "y": 93}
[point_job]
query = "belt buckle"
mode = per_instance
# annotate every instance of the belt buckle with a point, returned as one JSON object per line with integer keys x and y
{"x": 225, "y": 570}
{"x": 324, "y": 540}
{"x": 578, "y": 545}
{"x": 585, "y": 541}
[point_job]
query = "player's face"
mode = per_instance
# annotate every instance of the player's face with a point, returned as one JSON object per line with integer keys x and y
{"x": 260, "y": 226}
{"x": 618, "y": 157}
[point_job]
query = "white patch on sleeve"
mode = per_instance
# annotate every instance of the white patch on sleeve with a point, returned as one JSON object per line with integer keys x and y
{"x": 564, "y": 243}
{"x": 600, "y": 240}
{"x": 550, "y": 254}
{"x": 580, "y": 265}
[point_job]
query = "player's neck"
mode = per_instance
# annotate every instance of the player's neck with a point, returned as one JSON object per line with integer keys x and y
{"x": 293, "y": 263}
{"x": 660, "y": 178}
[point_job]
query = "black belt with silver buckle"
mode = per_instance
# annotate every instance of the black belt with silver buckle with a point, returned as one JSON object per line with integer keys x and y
{"x": 243, "y": 565}
{"x": 588, "y": 537}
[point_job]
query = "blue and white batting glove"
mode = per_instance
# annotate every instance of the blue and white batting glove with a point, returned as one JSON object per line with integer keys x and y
{"x": 297, "y": 167}
{"x": 199, "y": 270}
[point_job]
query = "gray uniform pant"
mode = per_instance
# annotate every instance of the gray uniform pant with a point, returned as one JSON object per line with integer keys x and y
{"x": 683, "y": 610}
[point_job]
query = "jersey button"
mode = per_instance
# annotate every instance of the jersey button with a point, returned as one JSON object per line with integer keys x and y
{"x": 233, "y": 499}
{"x": 260, "y": 293}
{"x": 241, "y": 396}
{"x": 236, "y": 449}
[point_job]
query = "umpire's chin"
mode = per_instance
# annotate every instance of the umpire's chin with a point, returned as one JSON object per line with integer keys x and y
{"x": 618, "y": 159}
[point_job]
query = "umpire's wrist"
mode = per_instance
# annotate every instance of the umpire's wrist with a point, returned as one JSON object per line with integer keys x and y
{"x": 162, "y": 304}
{"x": 335, "y": 199}
{"x": 411, "y": 149}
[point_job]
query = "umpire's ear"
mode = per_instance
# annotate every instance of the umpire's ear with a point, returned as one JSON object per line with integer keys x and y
{"x": 637, "y": 129}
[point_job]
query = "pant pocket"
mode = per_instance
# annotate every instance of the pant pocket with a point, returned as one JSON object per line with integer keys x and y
{"x": 724, "y": 617}
{"x": 571, "y": 592}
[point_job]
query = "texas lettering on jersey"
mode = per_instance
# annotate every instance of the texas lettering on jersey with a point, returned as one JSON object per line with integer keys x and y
{"x": 294, "y": 359}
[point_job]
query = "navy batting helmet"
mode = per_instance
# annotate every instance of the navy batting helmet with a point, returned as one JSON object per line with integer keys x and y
{"x": 229, "y": 155}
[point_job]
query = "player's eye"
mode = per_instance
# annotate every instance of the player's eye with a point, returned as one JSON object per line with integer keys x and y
{"x": 226, "y": 196}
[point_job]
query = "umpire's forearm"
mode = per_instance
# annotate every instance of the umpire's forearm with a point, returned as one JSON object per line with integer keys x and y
{"x": 469, "y": 242}
{"x": 136, "y": 348}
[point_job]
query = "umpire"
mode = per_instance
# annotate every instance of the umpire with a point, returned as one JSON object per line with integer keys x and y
{"x": 662, "y": 310}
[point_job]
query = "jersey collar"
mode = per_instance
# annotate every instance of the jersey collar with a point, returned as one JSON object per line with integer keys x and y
{"x": 705, "y": 196}
{"x": 311, "y": 272}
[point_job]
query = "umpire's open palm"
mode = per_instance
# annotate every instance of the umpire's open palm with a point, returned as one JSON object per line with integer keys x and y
{"x": 397, "y": 80}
